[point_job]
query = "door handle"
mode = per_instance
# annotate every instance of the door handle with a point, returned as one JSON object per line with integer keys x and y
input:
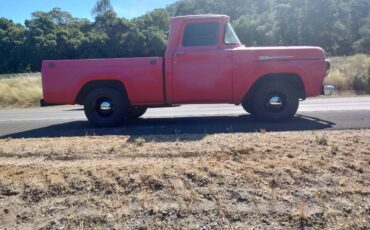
{"x": 179, "y": 53}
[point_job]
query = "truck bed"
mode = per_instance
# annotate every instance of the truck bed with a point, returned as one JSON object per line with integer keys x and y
{"x": 142, "y": 78}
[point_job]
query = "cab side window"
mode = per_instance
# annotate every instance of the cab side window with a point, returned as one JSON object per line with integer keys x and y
{"x": 201, "y": 34}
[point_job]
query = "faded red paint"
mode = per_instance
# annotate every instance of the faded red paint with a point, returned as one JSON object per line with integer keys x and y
{"x": 214, "y": 74}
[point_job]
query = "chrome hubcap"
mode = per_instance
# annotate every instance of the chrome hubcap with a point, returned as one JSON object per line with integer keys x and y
{"x": 275, "y": 101}
{"x": 105, "y": 106}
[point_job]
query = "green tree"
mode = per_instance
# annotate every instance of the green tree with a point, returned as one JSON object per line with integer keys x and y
{"x": 52, "y": 35}
{"x": 11, "y": 46}
{"x": 101, "y": 7}
{"x": 363, "y": 44}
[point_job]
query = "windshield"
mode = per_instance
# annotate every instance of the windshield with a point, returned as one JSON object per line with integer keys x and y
{"x": 230, "y": 36}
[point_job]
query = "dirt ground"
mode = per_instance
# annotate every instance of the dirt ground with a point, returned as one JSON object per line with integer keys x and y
{"x": 282, "y": 180}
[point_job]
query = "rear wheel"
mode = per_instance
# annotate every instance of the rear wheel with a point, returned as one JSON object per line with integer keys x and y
{"x": 136, "y": 112}
{"x": 275, "y": 101}
{"x": 105, "y": 107}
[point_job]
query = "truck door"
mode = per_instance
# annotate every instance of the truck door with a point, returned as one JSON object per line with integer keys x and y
{"x": 202, "y": 70}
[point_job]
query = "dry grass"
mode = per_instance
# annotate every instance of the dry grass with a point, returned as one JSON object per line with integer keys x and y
{"x": 13, "y": 75}
{"x": 20, "y": 91}
{"x": 344, "y": 71}
{"x": 262, "y": 180}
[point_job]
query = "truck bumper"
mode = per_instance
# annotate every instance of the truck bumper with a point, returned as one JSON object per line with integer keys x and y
{"x": 327, "y": 90}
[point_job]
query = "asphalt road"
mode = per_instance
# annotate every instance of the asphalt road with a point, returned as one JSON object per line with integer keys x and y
{"x": 314, "y": 114}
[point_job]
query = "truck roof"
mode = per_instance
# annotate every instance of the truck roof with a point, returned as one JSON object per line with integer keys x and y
{"x": 200, "y": 16}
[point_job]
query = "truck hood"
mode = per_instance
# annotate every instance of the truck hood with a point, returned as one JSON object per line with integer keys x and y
{"x": 284, "y": 53}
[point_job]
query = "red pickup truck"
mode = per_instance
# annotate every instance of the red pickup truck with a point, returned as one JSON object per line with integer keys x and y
{"x": 204, "y": 63}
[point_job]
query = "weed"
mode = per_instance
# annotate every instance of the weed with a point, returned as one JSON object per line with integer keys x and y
{"x": 361, "y": 82}
{"x": 302, "y": 216}
{"x": 111, "y": 150}
{"x": 263, "y": 131}
{"x": 334, "y": 149}
{"x": 70, "y": 149}
{"x": 139, "y": 141}
{"x": 81, "y": 224}
{"x": 233, "y": 151}
{"x": 322, "y": 140}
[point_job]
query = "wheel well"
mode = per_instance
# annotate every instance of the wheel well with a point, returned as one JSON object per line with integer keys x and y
{"x": 292, "y": 79}
{"x": 99, "y": 83}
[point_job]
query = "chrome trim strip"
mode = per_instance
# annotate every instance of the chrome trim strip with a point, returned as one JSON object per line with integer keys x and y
{"x": 266, "y": 58}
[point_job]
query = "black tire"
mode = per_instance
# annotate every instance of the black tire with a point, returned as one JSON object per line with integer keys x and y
{"x": 136, "y": 112}
{"x": 275, "y": 102}
{"x": 248, "y": 106}
{"x": 97, "y": 110}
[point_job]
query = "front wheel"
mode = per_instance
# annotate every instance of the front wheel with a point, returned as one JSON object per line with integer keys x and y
{"x": 136, "y": 112}
{"x": 105, "y": 107}
{"x": 248, "y": 106}
{"x": 275, "y": 101}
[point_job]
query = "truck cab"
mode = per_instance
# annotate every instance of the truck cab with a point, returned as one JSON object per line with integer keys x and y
{"x": 204, "y": 63}
{"x": 199, "y": 59}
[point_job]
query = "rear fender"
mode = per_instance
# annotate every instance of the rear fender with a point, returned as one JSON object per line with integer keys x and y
{"x": 111, "y": 80}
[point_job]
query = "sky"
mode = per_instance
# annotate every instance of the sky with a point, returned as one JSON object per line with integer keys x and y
{"x": 20, "y": 10}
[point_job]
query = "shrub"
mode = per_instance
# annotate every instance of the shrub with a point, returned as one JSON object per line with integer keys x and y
{"x": 361, "y": 82}
{"x": 349, "y": 73}
{"x": 20, "y": 92}
{"x": 322, "y": 140}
